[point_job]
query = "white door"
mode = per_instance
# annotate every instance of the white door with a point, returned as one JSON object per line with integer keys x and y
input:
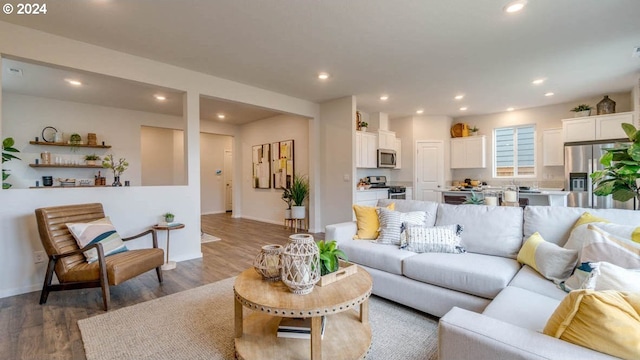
{"x": 228, "y": 180}
{"x": 429, "y": 170}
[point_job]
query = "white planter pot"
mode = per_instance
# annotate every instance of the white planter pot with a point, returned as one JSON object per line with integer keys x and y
{"x": 287, "y": 213}
{"x": 363, "y": 128}
{"x": 298, "y": 212}
{"x": 583, "y": 113}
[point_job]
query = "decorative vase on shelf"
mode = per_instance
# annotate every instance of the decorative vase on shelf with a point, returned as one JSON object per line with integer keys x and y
{"x": 606, "y": 106}
{"x": 116, "y": 181}
{"x": 583, "y": 113}
{"x": 300, "y": 264}
{"x": 268, "y": 263}
{"x": 510, "y": 196}
{"x": 363, "y": 128}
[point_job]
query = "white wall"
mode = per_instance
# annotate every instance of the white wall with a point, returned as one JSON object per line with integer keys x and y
{"x": 136, "y": 207}
{"x": 162, "y": 156}
{"x": 338, "y": 167}
{"x": 266, "y": 204}
{"x": 212, "y": 186}
{"x": 546, "y": 117}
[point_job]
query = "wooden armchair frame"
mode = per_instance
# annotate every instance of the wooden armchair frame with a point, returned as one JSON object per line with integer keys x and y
{"x": 50, "y": 231}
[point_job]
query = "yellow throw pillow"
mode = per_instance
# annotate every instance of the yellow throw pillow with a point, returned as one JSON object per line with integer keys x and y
{"x": 549, "y": 259}
{"x": 587, "y": 218}
{"x": 367, "y": 221}
{"x": 605, "y": 321}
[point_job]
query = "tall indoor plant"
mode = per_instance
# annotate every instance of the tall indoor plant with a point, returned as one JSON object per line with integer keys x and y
{"x": 620, "y": 177}
{"x": 7, "y": 150}
{"x": 299, "y": 193}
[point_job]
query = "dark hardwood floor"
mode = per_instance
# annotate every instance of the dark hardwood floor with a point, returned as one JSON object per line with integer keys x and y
{"x": 32, "y": 331}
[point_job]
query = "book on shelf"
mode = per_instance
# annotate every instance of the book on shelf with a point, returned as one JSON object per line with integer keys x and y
{"x": 299, "y": 328}
{"x": 169, "y": 224}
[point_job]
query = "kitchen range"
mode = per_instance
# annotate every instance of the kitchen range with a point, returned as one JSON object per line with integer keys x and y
{"x": 380, "y": 182}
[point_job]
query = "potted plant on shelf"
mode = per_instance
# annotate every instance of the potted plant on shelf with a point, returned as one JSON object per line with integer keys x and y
{"x": 620, "y": 177}
{"x": 168, "y": 217}
{"x": 118, "y": 167}
{"x": 299, "y": 193}
{"x": 7, "y": 149}
{"x": 363, "y": 125}
{"x": 582, "y": 110}
{"x": 474, "y": 131}
{"x": 329, "y": 256}
{"x": 286, "y": 197}
{"x": 91, "y": 159}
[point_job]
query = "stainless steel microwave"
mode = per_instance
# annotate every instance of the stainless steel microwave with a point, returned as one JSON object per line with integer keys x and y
{"x": 386, "y": 158}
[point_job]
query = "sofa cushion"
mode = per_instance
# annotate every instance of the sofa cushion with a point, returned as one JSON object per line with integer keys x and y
{"x": 549, "y": 259}
{"x": 490, "y": 230}
{"x": 605, "y": 321}
{"x": 367, "y": 221}
{"x": 522, "y": 308}
{"x": 475, "y": 274}
{"x": 531, "y": 280}
{"x": 554, "y": 223}
{"x": 429, "y": 207}
{"x": 391, "y": 224}
{"x": 378, "y": 256}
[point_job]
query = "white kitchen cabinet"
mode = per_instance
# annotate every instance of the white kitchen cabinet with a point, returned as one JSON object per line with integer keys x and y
{"x": 386, "y": 139}
{"x": 552, "y": 148}
{"x": 599, "y": 127}
{"x": 366, "y": 150}
{"x": 370, "y": 197}
{"x": 468, "y": 152}
{"x": 398, "y": 149}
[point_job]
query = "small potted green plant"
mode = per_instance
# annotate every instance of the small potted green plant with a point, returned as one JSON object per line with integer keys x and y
{"x": 91, "y": 159}
{"x": 363, "y": 125}
{"x": 582, "y": 110}
{"x": 299, "y": 193}
{"x": 474, "y": 131}
{"x": 474, "y": 199}
{"x": 329, "y": 256}
{"x": 168, "y": 217}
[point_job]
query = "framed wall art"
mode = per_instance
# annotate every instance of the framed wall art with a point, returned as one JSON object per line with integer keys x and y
{"x": 282, "y": 164}
{"x": 261, "y": 166}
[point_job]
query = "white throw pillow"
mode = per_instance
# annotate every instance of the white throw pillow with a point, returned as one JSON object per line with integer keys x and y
{"x": 601, "y": 245}
{"x": 442, "y": 239}
{"x": 607, "y": 276}
{"x": 391, "y": 224}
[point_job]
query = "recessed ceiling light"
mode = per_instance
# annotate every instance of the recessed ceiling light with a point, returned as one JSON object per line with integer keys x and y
{"x": 515, "y": 6}
{"x": 459, "y": 97}
{"x": 323, "y": 76}
{"x": 549, "y": 94}
{"x": 510, "y": 109}
{"x": 464, "y": 108}
{"x": 221, "y": 116}
{"x": 419, "y": 111}
{"x": 384, "y": 97}
{"x": 538, "y": 81}
{"x": 160, "y": 97}
{"x": 73, "y": 82}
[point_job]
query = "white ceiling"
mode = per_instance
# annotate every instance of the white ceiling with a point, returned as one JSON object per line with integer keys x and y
{"x": 420, "y": 52}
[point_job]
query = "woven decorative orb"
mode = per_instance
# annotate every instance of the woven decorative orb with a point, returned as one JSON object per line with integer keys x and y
{"x": 268, "y": 263}
{"x": 301, "y": 264}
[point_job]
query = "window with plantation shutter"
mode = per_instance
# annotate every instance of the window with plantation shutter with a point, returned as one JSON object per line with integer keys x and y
{"x": 514, "y": 151}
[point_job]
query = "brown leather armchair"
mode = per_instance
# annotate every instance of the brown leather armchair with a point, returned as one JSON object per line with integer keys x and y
{"x": 67, "y": 259}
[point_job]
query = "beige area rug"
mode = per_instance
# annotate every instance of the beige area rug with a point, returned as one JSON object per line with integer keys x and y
{"x": 198, "y": 324}
{"x": 205, "y": 238}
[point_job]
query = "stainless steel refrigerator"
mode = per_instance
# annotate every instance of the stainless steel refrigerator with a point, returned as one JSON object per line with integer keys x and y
{"x": 580, "y": 160}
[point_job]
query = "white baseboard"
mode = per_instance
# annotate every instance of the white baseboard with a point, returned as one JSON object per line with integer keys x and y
{"x": 186, "y": 257}
{"x": 20, "y": 291}
{"x": 213, "y": 212}
{"x": 269, "y": 221}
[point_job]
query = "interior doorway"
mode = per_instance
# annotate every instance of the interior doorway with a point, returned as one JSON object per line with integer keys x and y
{"x": 429, "y": 170}
{"x": 216, "y": 173}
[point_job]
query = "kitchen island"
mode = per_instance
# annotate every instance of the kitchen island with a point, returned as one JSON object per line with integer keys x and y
{"x": 550, "y": 197}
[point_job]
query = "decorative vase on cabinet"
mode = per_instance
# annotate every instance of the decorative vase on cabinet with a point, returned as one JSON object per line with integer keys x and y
{"x": 606, "y": 106}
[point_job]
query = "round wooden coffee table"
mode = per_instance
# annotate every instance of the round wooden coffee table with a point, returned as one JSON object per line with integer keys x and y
{"x": 347, "y": 333}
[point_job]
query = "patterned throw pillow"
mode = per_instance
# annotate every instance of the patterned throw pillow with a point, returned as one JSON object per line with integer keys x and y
{"x": 579, "y": 231}
{"x": 101, "y": 231}
{"x": 601, "y": 245}
{"x": 549, "y": 259}
{"x": 391, "y": 223}
{"x": 442, "y": 239}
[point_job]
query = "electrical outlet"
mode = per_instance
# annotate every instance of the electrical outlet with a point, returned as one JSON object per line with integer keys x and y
{"x": 39, "y": 257}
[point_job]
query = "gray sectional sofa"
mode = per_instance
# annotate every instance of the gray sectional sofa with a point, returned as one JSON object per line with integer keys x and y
{"x": 491, "y": 307}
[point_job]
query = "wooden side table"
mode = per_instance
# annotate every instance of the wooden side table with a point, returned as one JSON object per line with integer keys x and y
{"x": 295, "y": 224}
{"x": 168, "y": 265}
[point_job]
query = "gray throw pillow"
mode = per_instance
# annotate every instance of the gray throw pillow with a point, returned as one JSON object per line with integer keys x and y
{"x": 391, "y": 223}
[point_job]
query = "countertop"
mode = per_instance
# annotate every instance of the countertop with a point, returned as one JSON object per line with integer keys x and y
{"x": 541, "y": 191}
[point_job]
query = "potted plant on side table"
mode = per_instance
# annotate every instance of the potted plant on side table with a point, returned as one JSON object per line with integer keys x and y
{"x": 299, "y": 193}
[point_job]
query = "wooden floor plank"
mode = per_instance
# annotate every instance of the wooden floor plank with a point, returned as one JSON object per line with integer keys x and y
{"x": 32, "y": 331}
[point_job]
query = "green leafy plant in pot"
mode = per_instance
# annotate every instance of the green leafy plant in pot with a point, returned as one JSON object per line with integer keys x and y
{"x": 330, "y": 256}
{"x": 582, "y": 110}
{"x": 299, "y": 193}
{"x": 474, "y": 199}
{"x": 620, "y": 177}
{"x": 7, "y": 150}
{"x": 168, "y": 217}
{"x": 286, "y": 197}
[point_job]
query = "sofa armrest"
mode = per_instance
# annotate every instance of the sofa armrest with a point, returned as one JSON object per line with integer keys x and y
{"x": 464, "y": 334}
{"x": 341, "y": 232}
